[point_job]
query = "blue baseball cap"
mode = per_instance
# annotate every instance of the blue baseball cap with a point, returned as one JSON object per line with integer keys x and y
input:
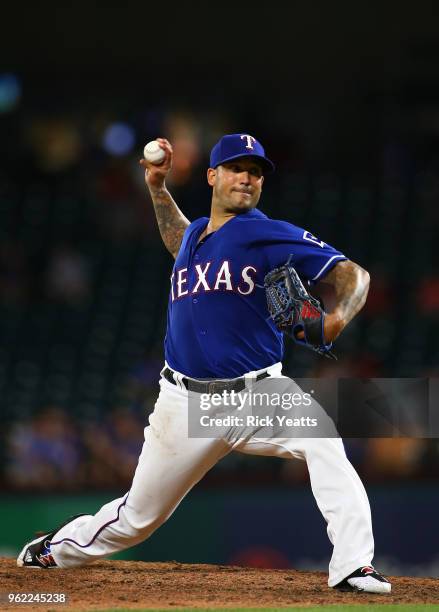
{"x": 233, "y": 146}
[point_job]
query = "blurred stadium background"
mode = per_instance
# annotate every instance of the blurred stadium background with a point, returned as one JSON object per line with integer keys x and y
{"x": 345, "y": 98}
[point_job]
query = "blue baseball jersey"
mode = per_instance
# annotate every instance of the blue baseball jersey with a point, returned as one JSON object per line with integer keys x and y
{"x": 218, "y": 321}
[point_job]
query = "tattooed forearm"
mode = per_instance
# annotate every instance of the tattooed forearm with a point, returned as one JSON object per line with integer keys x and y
{"x": 351, "y": 285}
{"x": 171, "y": 221}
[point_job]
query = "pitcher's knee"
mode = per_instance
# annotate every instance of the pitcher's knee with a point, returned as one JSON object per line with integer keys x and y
{"x": 140, "y": 524}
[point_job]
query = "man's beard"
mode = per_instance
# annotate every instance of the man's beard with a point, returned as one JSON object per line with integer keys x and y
{"x": 238, "y": 210}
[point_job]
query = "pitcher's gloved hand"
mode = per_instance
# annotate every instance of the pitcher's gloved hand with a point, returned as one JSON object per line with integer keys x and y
{"x": 294, "y": 311}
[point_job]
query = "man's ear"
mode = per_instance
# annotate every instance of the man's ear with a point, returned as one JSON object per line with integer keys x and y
{"x": 211, "y": 176}
{"x": 262, "y": 180}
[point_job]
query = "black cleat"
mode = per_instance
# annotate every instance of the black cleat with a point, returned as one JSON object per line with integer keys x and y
{"x": 37, "y": 554}
{"x": 365, "y": 579}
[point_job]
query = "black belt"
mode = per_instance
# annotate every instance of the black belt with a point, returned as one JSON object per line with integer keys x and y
{"x": 211, "y": 386}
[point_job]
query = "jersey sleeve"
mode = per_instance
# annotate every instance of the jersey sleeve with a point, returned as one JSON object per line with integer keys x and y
{"x": 189, "y": 235}
{"x": 311, "y": 257}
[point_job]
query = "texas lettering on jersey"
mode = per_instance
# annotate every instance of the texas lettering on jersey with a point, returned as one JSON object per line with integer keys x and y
{"x": 221, "y": 280}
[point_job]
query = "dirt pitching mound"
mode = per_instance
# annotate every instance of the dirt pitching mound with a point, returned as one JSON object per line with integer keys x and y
{"x": 129, "y": 584}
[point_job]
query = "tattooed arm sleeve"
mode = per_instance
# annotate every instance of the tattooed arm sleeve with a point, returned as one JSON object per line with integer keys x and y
{"x": 171, "y": 221}
{"x": 351, "y": 286}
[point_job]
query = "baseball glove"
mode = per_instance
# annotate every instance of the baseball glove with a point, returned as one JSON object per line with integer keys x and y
{"x": 293, "y": 309}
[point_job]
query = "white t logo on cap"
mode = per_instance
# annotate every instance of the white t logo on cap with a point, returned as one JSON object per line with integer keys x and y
{"x": 250, "y": 139}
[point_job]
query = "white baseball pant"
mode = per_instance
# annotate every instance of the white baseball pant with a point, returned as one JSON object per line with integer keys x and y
{"x": 171, "y": 463}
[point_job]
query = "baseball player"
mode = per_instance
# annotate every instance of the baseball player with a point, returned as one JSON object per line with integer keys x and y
{"x": 219, "y": 336}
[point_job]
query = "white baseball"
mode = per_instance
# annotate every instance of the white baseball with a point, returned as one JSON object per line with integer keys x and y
{"x": 153, "y": 152}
